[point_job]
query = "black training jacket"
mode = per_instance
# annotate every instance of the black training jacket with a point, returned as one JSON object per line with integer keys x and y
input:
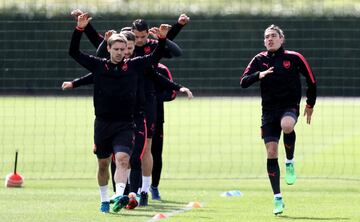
{"x": 282, "y": 88}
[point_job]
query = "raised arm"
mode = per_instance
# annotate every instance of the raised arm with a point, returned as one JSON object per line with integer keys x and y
{"x": 87, "y": 61}
{"x": 172, "y": 49}
{"x": 153, "y": 59}
{"x": 94, "y": 37}
{"x": 176, "y": 28}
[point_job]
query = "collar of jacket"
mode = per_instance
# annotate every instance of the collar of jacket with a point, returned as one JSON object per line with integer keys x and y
{"x": 277, "y": 52}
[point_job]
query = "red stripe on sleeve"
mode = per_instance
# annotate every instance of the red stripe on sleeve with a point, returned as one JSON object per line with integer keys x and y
{"x": 305, "y": 62}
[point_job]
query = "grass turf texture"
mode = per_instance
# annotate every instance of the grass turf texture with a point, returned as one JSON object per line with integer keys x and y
{"x": 78, "y": 200}
{"x": 212, "y": 145}
{"x": 205, "y": 138}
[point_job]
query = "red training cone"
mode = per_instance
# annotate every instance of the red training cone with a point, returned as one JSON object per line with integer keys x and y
{"x": 14, "y": 179}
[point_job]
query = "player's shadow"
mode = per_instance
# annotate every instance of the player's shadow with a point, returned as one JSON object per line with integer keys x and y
{"x": 314, "y": 218}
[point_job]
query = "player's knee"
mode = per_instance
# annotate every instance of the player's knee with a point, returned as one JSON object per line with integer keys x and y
{"x": 272, "y": 151}
{"x": 287, "y": 124}
{"x": 122, "y": 160}
{"x": 271, "y": 154}
{"x": 287, "y": 128}
{"x": 103, "y": 165}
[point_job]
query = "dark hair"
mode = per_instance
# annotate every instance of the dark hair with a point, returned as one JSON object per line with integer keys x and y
{"x": 130, "y": 36}
{"x": 276, "y": 29}
{"x": 140, "y": 25}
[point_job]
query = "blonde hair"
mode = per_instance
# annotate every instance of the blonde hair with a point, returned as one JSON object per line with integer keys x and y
{"x": 116, "y": 38}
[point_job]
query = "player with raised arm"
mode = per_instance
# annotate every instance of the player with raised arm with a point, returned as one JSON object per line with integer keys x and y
{"x": 115, "y": 88}
{"x": 144, "y": 46}
{"x": 135, "y": 175}
{"x": 162, "y": 95}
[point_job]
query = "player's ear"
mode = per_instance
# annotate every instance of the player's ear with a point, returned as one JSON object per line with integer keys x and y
{"x": 108, "y": 48}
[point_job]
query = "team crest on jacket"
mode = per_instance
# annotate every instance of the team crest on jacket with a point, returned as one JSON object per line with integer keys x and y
{"x": 124, "y": 67}
{"x": 286, "y": 64}
{"x": 147, "y": 50}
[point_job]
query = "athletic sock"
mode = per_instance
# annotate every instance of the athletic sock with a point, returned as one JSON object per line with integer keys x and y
{"x": 289, "y": 143}
{"x": 274, "y": 174}
{"x": 104, "y": 197}
{"x": 145, "y": 184}
{"x": 120, "y": 187}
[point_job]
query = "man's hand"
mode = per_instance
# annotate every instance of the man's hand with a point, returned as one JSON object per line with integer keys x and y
{"x": 266, "y": 72}
{"x": 67, "y": 85}
{"x": 161, "y": 31}
{"x": 164, "y": 28}
{"x": 183, "y": 19}
{"x": 308, "y": 113}
{"x": 83, "y": 20}
{"x": 108, "y": 34}
{"x": 187, "y": 91}
{"x": 76, "y": 12}
{"x": 153, "y": 35}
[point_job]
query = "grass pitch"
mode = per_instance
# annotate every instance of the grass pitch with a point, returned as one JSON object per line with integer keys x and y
{"x": 212, "y": 145}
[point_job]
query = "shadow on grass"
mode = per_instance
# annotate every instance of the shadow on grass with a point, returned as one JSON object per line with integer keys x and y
{"x": 314, "y": 218}
{"x": 163, "y": 206}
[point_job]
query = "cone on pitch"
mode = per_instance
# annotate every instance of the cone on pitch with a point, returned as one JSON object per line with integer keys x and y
{"x": 232, "y": 193}
{"x": 194, "y": 205}
{"x": 160, "y": 216}
{"x": 14, "y": 179}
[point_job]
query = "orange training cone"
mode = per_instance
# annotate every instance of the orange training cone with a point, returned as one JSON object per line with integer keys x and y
{"x": 194, "y": 205}
{"x": 160, "y": 216}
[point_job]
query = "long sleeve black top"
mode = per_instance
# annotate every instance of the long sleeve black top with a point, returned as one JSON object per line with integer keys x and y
{"x": 115, "y": 85}
{"x": 282, "y": 88}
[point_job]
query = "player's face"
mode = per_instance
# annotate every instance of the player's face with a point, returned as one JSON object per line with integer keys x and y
{"x": 272, "y": 40}
{"x": 141, "y": 37}
{"x": 117, "y": 51}
{"x": 129, "y": 49}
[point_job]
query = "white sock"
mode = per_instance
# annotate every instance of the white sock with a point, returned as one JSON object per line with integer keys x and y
{"x": 277, "y": 195}
{"x": 120, "y": 187}
{"x": 145, "y": 184}
{"x": 104, "y": 197}
{"x": 289, "y": 161}
{"x": 128, "y": 177}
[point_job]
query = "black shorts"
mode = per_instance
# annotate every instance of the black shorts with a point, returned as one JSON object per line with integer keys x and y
{"x": 271, "y": 122}
{"x": 150, "y": 114}
{"x": 112, "y": 136}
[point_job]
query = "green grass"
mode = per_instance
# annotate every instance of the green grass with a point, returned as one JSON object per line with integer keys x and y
{"x": 204, "y": 138}
{"x": 193, "y": 7}
{"x": 77, "y": 200}
{"x": 212, "y": 145}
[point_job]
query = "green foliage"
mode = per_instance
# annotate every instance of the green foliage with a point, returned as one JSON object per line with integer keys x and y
{"x": 198, "y": 7}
